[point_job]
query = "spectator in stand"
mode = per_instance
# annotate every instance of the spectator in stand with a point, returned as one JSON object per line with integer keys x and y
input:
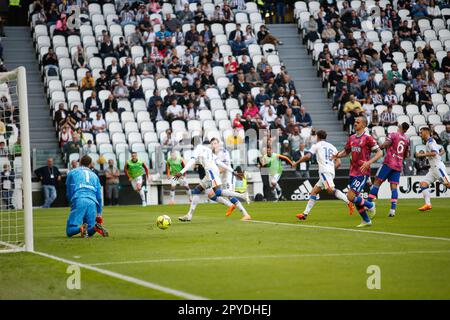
{"x": 352, "y": 109}
{"x": 50, "y": 60}
{"x": 231, "y": 67}
{"x": 374, "y": 119}
{"x": 158, "y": 112}
{"x": 444, "y": 84}
{"x": 84, "y": 124}
{"x": 425, "y": 98}
{"x": 264, "y": 36}
{"x": 175, "y": 111}
{"x": 73, "y": 146}
{"x": 445, "y": 65}
{"x": 238, "y": 47}
{"x": 304, "y": 118}
{"x": 121, "y": 91}
{"x": 93, "y": 103}
{"x": 79, "y": 58}
{"x": 388, "y": 118}
{"x": 107, "y": 49}
{"x": 311, "y": 29}
{"x": 328, "y": 34}
{"x": 89, "y": 147}
{"x": 419, "y": 10}
{"x": 409, "y": 96}
{"x": 98, "y": 124}
{"x": 111, "y": 104}
{"x": 136, "y": 92}
{"x": 49, "y": 177}
{"x": 87, "y": 82}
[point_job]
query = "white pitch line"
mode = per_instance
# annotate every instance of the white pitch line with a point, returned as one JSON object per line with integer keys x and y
{"x": 351, "y": 230}
{"x": 300, "y": 255}
{"x": 123, "y": 277}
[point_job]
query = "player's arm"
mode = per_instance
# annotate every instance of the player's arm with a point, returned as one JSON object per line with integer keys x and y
{"x": 222, "y": 165}
{"x": 69, "y": 187}
{"x": 98, "y": 194}
{"x": 305, "y": 158}
{"x": 386, "y": 143}
{"x": 147, "y": 172}
{"x": 188, "y": 166}
{"x": 284, "y": 158}
{"x": 366, "y": 165}
{"x": 340, "y": 154}
{"x": 426, "y": 154}
{"x": 337, "y": 163}
{"x": 167, "y": 170}
{"x": 441, "y": 151}
{"x": 125, "y": 169}
{"x": 183, "y": 165}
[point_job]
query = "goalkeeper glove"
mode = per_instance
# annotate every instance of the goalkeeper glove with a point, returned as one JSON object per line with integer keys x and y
{"x": 99, "y": 219}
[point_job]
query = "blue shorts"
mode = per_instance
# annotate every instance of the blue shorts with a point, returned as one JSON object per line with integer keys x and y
{"x": 387, "y": 173}
{"x": 83, "y": 210}
{"x": 357, "y": 183}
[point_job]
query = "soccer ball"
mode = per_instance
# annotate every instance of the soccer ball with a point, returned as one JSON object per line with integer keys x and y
{"x": 163, "y": 222}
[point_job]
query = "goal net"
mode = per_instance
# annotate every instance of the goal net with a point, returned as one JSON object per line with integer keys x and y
{"x": 16, "y": 224}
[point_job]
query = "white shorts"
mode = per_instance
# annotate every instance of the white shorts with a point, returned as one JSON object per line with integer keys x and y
{"x": 227, "y": 180}
{"x": 437, "y": 173}
{"x": 273, "y": 179}
{"x": 211, "y": 179}
{"x": 326, "y": 181}
{"x": 181, "y": 180}
{"x": 136, "y": 181}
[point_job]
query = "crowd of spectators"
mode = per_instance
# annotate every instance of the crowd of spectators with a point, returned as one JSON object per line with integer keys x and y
{"x": 353, "y": 68}
{"x": 276, "y": 105}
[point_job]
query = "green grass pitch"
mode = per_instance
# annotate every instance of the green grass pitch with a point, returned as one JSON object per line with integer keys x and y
{"x": 216, "y": 257}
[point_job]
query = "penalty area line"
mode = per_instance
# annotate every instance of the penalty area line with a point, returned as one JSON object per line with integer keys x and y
{"x": 351, "y": 230}
{"x": 126, "y": 278}
{"x": 281, "y": 256}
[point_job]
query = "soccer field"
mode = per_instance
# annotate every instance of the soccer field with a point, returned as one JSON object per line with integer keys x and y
{"x": 215, "y": 257}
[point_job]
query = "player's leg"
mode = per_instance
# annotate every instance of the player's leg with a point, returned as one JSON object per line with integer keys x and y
{"x": 115, "y": 195}
{"x": 90, "y": 213}
{"x": 312, "y": 200}
{"x": 75, "y": 221}
{"x": 356, "y": 184}
{"x": 195, "y": 199}
{"x": 183, "y": 182}
{"x": 137, "y": 186}
{"x": 430, "y": 177}
{"x": 394, "y": 198}
{"x": 383, "y": 174}
{"x": 238, "y": 204}
{"x": 173, "y": 185}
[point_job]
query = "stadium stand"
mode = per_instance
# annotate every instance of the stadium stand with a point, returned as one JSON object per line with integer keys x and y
{"x": 388, "y": 60}
{"x": 135, "y": 76}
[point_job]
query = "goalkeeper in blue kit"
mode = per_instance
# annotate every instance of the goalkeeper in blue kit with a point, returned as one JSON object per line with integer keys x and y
{"x": 84, "y": 193}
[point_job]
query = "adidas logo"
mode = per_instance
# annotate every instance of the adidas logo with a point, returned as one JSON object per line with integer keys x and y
{"x": 302, "y": 192}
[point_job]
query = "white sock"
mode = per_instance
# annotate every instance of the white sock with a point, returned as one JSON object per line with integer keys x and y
{"x": 188, "y": 192}
{"x": 278, "y": 188}
{"x": 194, "y": 202}
{"x": 341, "y": 196}
{"x": 275, "y": 193}
{"x": 229, "y": 193}
{"x": 224, "y": 201}
{"x": 309, "y": 206}
{"x": 426, "y": 196}
{"x": 172, "y": 195}
{"x": 142, "y": 194}
{"x": 241, "y": 208}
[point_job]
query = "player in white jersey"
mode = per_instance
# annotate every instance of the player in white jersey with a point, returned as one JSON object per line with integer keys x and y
{"x": 224, "y": 156}
{"x": 212, "y": 182}
{"x": 323, "y": 151}
{"x": 437, "y": 167}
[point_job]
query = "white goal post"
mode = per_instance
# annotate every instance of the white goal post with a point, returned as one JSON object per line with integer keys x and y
{"x": 16, "y": 207}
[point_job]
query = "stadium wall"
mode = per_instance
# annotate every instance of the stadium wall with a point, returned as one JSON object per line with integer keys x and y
{"x": 294, "y": 189}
